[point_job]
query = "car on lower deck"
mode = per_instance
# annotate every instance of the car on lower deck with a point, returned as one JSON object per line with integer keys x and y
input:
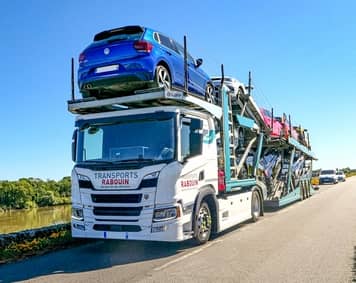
{"x": 125, "y": 59}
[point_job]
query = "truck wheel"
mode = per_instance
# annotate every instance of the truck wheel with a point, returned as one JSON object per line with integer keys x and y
{"x": 255, "y": 206}
{"x": 202, "y": 229}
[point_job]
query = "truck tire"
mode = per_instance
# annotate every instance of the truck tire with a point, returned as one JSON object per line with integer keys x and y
{"x": 203, "y": 223}
{"x": 255, "y": 206}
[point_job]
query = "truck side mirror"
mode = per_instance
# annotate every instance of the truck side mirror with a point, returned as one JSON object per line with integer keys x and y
{"x": 74, "y": 145}
{"x": 196, "y": 137}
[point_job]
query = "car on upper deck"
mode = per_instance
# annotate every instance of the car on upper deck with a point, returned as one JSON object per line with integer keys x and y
{"x": 122, "y": 60}
{"x": 234, "y": 85}
{"x": 276, "y": 128}
{"x": 288, "y": 131}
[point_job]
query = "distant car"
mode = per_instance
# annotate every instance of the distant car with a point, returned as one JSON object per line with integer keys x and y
{"x": 328, "y": 177}
{"x": 341, "y": 176}
{"x": 129, "y": 58}
{"x": 272, "y": 123}
{"x": 234, "y": 85}
{"x": 315, "y": 179}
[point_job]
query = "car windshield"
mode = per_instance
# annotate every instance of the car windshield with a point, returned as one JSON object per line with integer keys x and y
{"x": 340, "y": 173}
{"x": 132, "y": 140}
{"x": 327, "y": 172}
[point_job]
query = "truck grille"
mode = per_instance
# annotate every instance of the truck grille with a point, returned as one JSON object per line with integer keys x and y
{"x": 133, "y": 198}
{"x": 117, "y": 228}
{"x": 117, "y": 211}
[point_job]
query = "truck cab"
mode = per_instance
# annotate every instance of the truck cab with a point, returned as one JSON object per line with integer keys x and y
{"x": 139, "y": 173}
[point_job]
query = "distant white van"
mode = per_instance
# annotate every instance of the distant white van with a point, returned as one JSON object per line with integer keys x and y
{"x": 328, "y": 176}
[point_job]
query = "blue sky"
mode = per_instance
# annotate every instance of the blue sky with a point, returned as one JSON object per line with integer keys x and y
{"x": 302, "y": 55}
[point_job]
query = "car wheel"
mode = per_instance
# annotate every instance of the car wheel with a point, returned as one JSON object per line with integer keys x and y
{"x": 163, "y": 77}
{"x": 203, "y": 224}
{"x": 209, "y": 92}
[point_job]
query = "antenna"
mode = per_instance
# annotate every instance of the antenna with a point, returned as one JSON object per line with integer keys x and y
{"x": 222, "y": 74}
{"x": 72, "y": 78}
{"x": 249, "y": 83}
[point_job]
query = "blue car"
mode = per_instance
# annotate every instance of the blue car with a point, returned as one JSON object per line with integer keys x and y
{"x": 129, "y": 58}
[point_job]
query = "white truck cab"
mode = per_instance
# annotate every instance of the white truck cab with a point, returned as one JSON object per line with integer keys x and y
{"x": 138, "y": 172}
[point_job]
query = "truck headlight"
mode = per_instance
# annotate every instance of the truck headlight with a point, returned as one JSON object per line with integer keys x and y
{"x": 163, "y": 214}
{"x": 77, "y": 214}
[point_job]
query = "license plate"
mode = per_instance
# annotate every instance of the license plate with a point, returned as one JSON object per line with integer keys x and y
{"x": 107, "y": 69}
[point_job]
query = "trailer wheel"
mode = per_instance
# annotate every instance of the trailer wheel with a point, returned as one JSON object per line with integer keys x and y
{"x": 255, "y": 206}
{"x": 162, "y": 77}
{"x": 203, "y": 224}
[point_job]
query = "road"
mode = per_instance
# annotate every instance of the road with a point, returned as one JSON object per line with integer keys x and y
{"x": 309, "y": 241}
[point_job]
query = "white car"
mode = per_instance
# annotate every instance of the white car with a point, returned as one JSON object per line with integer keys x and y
{"x": 341, "y": 176}
{"x": 328, "y": 176}
{"x": 234, "y": 85}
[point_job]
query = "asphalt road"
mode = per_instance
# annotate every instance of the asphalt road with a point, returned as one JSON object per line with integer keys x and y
{"x": 309, "y": 241}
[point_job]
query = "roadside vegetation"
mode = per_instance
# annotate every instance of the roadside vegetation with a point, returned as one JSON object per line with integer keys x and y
{"x": 32, "y": 192}
{"x": 350, "y": 173}
{"x": 38, "y": 245}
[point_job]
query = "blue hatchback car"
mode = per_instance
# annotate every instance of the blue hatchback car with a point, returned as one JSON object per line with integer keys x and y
{"x": 129, "y": 58}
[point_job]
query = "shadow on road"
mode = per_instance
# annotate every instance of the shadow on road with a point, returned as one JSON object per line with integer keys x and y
{"x": 89, "y": 257}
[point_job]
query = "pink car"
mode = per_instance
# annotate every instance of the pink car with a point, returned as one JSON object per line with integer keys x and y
{"x": 285, "y": 126}
{"x": 276, "y": 127}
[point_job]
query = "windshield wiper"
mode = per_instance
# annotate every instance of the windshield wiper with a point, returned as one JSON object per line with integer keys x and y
{"x": 134, "y": 160}
{"x": 97, "y": 161}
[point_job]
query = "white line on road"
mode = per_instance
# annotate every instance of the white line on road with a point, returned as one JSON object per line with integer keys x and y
{"x": 186, "y": 255}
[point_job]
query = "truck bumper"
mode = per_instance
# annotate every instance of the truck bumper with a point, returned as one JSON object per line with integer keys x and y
{"x": 169, "y": 231}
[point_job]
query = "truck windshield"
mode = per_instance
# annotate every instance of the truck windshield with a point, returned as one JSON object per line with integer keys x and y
{"x": 124, "y": 141}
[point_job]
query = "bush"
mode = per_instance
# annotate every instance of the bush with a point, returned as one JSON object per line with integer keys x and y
{"x": 27, "y": 193}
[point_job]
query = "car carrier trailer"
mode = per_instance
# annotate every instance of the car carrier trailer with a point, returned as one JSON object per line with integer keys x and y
{"x": 166, "y": 165}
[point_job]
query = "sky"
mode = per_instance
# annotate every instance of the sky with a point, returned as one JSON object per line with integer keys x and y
{"x": 302, "y": 55}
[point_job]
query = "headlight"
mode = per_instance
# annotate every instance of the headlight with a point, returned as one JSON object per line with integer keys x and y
{"x": 152, "y": 175}
{"x": 84, "y": 182}
{"x": 77, "y": 214}
{"x": 83, "y": 177}
{"x": 164, "y": 214}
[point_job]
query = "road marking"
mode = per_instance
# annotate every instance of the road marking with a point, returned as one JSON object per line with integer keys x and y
{"x": 186, "y": 255}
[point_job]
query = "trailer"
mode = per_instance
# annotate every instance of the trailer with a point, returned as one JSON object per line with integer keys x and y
{"x": 165, "y": 165}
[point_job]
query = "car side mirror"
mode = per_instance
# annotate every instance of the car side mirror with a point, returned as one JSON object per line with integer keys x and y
{"x": 199, "y": 62}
